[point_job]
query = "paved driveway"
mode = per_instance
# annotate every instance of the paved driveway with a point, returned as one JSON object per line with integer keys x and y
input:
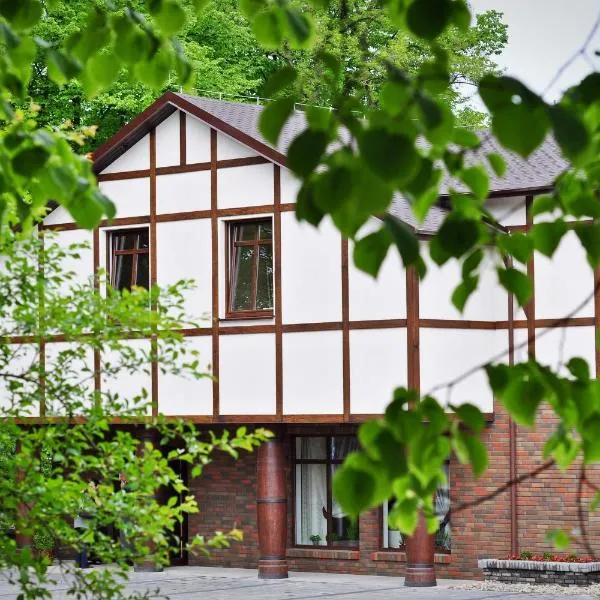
{"x": 187, "y": 583}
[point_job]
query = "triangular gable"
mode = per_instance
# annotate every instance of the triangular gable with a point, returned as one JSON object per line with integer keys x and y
{"x": 160, "y": 110}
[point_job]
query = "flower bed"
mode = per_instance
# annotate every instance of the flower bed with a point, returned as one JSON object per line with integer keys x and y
{"x": 579, "y": 571}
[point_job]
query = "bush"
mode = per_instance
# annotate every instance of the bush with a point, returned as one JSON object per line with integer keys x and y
{"x": 526, "y": 555}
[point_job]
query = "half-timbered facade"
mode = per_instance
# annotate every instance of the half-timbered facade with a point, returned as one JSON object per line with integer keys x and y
{"x": 300, "y": 340}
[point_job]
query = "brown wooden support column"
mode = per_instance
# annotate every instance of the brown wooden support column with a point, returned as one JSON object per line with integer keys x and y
{"x": 420, "y": 571}
{"x": 147, "y": 564}
{"x": 271, "y": 508}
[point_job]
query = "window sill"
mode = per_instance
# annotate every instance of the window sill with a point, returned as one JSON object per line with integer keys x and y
{"x": 323, "y": 552}
{"x": 249, "y": 316}
{"x": 400, "y": 556}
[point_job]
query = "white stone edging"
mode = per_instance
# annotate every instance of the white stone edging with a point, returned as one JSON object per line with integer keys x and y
{"x": 537, "y": 565}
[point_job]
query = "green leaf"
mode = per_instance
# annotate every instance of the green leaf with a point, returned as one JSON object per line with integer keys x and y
{"x": 155, "y": 72}
{"x": 471, "y": 416}
{"x": 333, "y": 188}
{"x": 21, "y": 14}
{"x": 463, "y": 291}
{"x": 394, "y": 97}
{"x": 471, "y": 262}
{"x": 579, "y": 368}
{"x": 267, "y": 29}
{"x": 370, "y": 251}
{"x": 405, "y": 239}
{"x": 546, "y": 236}
{"x": 460, "y": 15}
{"x": 61, "y": 67}
{"x": 273, "y": 118}
{"x": 306, "y": 207}
{"x": 170, "y": 18}
{"x": 497, "y": 163}
{"x": 305, "y": 152}
{"x": 457, "y": 235}
{"x": 249, "y": 8}
{"x": 29, "y": 161}
{"x": 437, "y": 119}
{"x": 477, "y": 181}
{"x": 428, "y": 18}
{"x": 389, "y": 155}
{"x": 517, "y": 245}
{"x": 299, "y": 27}
{"x": 465, "y": 138}
{"x": 558, "y": 538}
{"x": 477, "y": 453}
{"x": 589, "y": 236}
{"x": 278, "y": 80}
{"x": 104, "y": 69}
{"x": 517, "y": 283}
{"x": 569, "y": 131}
{"x": 404, "y": 516}
{"x": 542, "y": 204}
{"x": 521, "y": 397}
{"x": 354, "y": 487}
{"x": 498, "y": 378}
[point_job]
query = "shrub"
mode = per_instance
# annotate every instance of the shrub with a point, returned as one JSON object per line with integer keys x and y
{"x": 526, "y": 555}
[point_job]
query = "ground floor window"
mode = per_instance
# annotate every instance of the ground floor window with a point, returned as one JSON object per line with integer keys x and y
{"x": 393, "y": 539}
{"x": 319, "y": 519}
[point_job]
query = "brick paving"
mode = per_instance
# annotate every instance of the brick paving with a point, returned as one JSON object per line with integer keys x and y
{"x": 187, "y": 583}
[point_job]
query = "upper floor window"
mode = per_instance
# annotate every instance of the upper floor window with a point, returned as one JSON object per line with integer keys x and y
{"x": 129, "y": 258}
{"x": 250, "y": 268}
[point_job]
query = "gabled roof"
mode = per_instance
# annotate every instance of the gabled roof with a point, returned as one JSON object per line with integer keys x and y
{"x": 240, "y": 121}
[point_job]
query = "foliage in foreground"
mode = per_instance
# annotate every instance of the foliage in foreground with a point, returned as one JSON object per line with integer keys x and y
{"x": 45, "y": 470}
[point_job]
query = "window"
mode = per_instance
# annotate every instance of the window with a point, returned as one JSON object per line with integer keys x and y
{"x": 250, "y": 269}
{"x": 393, "y": 539}
{"x": 129, "y": 258}
{"x": 320, "y": 520}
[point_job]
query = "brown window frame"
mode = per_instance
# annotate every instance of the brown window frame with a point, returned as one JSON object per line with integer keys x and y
{"x": 254, "y": 313}
{"x": 112, "y": 253}
{"x": 328, "y": 462}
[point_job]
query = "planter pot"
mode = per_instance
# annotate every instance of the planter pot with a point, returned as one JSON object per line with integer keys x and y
{"x": 533, "y": 571}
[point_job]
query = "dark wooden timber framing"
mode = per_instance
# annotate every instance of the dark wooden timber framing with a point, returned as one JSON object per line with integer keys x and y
{"x": 345, "y": 331}
{"x": 153, "y": 270}
{"x": 215, "y": 270}
{"x": 597, "y": 318}
{"x": 278, "y": 291}
{"x": 182, "y": 138}
{"x": 412, "y": 329}
{"x": 42, "y": 343}
{"x": 95, "y": 268}
{"x": 530, "y": 308}
{"x": 271, "y": 509}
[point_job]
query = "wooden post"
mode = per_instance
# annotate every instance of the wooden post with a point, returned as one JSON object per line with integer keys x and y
{"x": 271, "y": 508}
{"x": 420, "y": 546}
{"x": 419, "y": 557}
{"x": 148, "y": 564}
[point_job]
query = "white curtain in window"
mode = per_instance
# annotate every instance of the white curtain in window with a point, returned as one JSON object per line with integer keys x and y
{"x": 311, "y": 499}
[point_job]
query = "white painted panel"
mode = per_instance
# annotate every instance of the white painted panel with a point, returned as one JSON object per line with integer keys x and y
{"x": 247, "y": 374}
{"x": 125, "y": 382}
{"x": 245, "y": 186}
{"x": 508, "y": 211}
{"x": 381, "y": 298}
{"x": 311, "y": 279}
{"x": 449, "y": 353}
{"x": 179, "y": 395}
{"x": 183, "y": 192}
{"x": 137, "y": 157}
{"x": 184, "y": 252}
{"x": 290, "y": 186}
{"x": 556, "y": 347}
{"x": 312, "y": 373}
{"x": 377, "y": 367}
{"x": 82, "y": 268}
{"x": 131, "y": 196}
{"x": 72, "y": 363}
{"x": 563, "y": 282}
{"x": 197, "y": 136}
{"x": 20, "y": 360}
{"x": 58, "y": 216}
{"x": 488, "y": 303}
{"x": 229, "y": 148}
{"x": 167, "y": 141}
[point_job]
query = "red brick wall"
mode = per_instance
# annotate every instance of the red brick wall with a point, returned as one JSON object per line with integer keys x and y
{"x": 227, "y": 489}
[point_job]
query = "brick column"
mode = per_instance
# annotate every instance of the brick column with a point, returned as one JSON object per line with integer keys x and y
{"x": 271, "y": 507}
{"x": 419, "y": 557}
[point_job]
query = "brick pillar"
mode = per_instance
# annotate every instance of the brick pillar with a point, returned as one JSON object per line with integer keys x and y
{"x": 419, "y": 557}
{"x": 22, "y": 533}
{"x": 271, "y": 507}
{"x": 148, "y": 563}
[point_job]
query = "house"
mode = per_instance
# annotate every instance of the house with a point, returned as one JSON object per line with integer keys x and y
{"x": 300, "y": 340}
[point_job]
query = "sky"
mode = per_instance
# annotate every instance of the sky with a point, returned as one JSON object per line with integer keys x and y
{"x": 542, "y": 36}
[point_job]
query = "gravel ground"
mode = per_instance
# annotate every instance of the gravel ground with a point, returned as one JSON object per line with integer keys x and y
{"x": 529, "y": 588}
